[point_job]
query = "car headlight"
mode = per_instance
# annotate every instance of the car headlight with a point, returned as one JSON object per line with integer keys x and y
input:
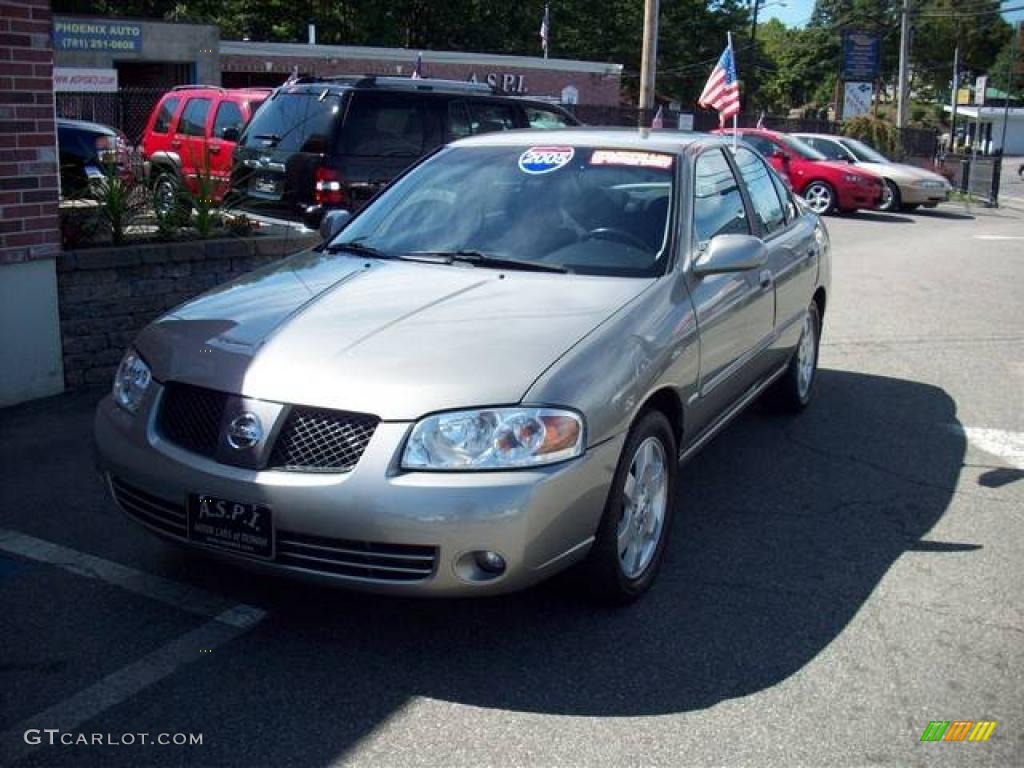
{"x": 854, "y": 179}
{"x": 494, "y": 438}
{"x": 131, "y": 381}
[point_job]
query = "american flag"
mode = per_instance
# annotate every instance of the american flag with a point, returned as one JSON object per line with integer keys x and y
{"x": 417, "y": 70}
{"x": 723, "y": 89}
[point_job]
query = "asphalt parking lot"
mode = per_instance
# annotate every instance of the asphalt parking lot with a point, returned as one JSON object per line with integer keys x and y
{"x": 833, "y": 583}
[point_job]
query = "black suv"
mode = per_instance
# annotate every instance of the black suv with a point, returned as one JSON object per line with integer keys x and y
{"x": 320, "y": 143}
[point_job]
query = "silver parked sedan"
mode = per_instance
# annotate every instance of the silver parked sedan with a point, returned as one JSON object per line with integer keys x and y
{"x": 489, "y": 374}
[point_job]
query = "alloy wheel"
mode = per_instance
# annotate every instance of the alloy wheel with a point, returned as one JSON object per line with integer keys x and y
{"x": 806, "y": 356}
{"x": 645, "y": 500}
{"x": 819, "y": 198}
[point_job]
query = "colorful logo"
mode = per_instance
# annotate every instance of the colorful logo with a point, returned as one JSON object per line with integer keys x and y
{"x": 544, "y": 159}
{"x": 958, "y": 730}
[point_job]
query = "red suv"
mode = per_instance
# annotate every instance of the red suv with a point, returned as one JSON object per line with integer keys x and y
{"x": 825, "y": 185}
{"x": 192, "y": 132}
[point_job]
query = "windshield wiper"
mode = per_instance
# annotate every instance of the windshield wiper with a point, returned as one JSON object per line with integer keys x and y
{"x": 483, "y": 260}
{"x": 360, "y": 249}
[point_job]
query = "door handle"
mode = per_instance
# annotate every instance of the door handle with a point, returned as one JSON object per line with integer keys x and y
{"x": 214, "y": 149}
{"x": 811, "y": 253}
{"x": 766, "y": 279}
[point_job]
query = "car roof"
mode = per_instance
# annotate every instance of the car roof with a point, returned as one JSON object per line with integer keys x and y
{"x": 613, "y": 138}
{"x": 248, "y": 91}
{"x": 84, "y": 125}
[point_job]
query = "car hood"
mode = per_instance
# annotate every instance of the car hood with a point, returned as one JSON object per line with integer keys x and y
{"x": 901, "y": 173}
{"x": 395, "y": 339}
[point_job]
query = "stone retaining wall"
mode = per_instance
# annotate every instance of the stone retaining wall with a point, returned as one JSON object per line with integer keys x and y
{"x": 107, "y": 295}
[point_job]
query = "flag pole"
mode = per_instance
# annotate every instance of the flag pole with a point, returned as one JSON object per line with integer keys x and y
{"x": 735, "y": 123}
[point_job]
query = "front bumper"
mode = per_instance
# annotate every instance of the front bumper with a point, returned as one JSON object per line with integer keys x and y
{"x": 911, "y": 195}
{"x": 540, "y": 520}
{"x": 853, "y": 197}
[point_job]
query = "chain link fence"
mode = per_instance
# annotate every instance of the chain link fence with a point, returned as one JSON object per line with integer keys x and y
{"x": 127, "y": 109}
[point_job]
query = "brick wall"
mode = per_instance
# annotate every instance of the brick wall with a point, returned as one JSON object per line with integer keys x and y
{"x": 28, "y": 144}
{"x": 107, "y": 295}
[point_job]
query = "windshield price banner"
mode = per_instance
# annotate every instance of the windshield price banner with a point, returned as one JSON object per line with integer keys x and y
{"x": 73, "y": 35}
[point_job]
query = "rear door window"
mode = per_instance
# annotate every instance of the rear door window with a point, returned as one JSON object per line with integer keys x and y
{"x": 384, "y": 125}
{"x": 544, "y": 118}
{"x": 829, "y": 149}
{"x": 718, "y": 204}
{"x": 229, "y": 115}
{"x": 489, "y": 116}
{"x": 300, "y": 121}
{"x": 193, "y": 119}
{"x": 767, "y": 206}
{"x": 162, "y": 124}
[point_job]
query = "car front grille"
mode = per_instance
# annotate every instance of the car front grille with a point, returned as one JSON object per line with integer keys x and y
{"x": 165, "y": 516}
{"x": 357, "y": 559}
{"x": 364, "y": 560}
{"x": 317, "y": 440}
{"x": 190, "y": 417}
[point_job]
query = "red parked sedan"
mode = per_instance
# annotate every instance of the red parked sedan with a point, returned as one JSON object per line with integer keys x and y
{"x": 824, "y": 184}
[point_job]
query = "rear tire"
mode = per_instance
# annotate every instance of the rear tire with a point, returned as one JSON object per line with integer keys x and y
{"x": 793, "y": 391}
{"x": 633, "y": 531}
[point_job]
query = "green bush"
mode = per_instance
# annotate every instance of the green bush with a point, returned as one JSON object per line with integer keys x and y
{"x": 879, "y": 134}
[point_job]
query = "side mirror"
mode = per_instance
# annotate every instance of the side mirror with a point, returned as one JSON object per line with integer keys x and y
{"x": 231, "y": 133}
{"x": 333, "y": 222}
{"x": 731, "y": 253}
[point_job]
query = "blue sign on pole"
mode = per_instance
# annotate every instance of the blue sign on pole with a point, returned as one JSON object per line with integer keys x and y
{"x": 100, "y": 36}
{"x": 862, "y": 54}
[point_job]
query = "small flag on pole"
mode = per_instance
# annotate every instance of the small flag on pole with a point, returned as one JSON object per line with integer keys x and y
{"x": 545, "y": 29}
{"x": 722, "y": 92}
{"x": 294, "y": 76}
{"x": 760, "y": 120}
{"x": 658, "y": 121}
{"x": 417, "y": 70}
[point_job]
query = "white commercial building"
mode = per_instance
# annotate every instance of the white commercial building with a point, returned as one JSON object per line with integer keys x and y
{"x": 981, "y": 128}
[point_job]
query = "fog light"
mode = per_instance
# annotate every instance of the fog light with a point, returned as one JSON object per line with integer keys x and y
{"x": 491, "y": 562}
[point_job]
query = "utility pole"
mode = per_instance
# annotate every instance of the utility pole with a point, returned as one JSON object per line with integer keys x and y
{"x": 752, "y": 67}
{"x": 649, "y": 61}
{"x": 956, "y": 88}
{"x": 902, "y": 86}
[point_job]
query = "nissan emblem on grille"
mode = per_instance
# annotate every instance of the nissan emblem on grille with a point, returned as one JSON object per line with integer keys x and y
{"x": 245, "y": 431}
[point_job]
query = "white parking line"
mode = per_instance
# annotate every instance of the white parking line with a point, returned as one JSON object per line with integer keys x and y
{"x": 1009, "y": 446}
{"x": 119, "y": 686}
{"x": 169, "y": 592}
{"x": 999, "y": 237}
{"x": 228, "y": 621}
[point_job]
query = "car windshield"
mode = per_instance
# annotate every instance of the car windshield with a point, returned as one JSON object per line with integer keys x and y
{"x": 582, "y": 209}
{"x": 863, "y": 152}
{"x": 802, "y": 148}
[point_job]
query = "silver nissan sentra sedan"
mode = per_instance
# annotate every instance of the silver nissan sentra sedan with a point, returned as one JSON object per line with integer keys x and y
{"x": 488, "y": 374}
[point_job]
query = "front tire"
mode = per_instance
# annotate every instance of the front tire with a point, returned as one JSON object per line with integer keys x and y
{"x": 166, "y": 194}
{"x": 890, "y": 197}
{"x": 633, "y": 532}
{"x": 820, "y": 197}
{"x": 795, "y": 388}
